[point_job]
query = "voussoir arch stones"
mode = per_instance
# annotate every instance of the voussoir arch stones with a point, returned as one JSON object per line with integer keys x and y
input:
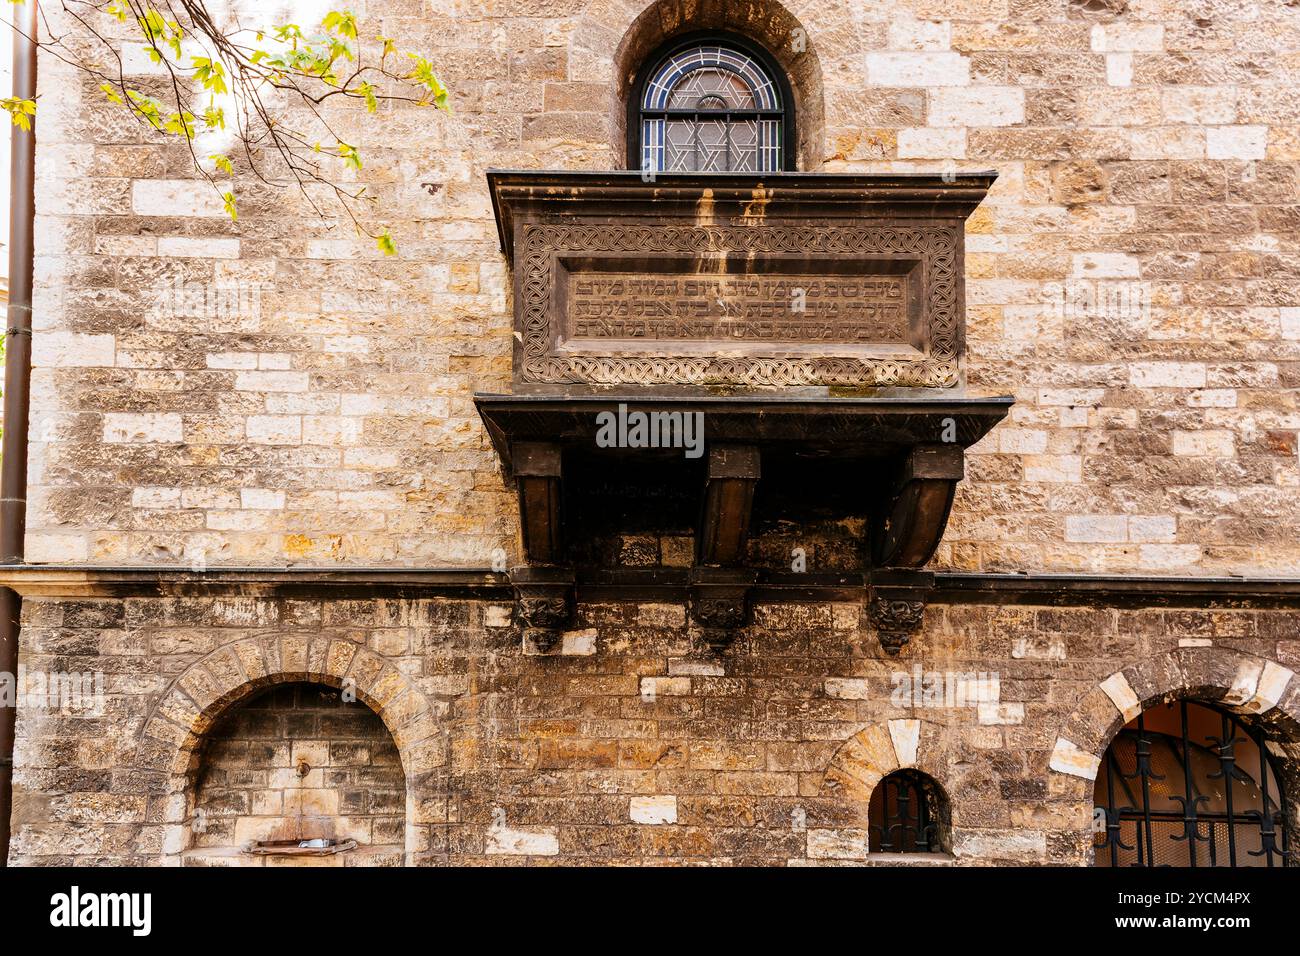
{"x": 197, "y": 698}
{"x": 873, "y": 753}
{"x": 1236, "y": 681}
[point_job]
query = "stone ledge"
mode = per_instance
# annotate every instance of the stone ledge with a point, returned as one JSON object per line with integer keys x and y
{"x": 664, "y": 586}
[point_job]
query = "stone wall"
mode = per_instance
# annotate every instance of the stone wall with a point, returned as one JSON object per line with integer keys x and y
{"x": 630, "y": 742}
{"x": 273, "y": 391}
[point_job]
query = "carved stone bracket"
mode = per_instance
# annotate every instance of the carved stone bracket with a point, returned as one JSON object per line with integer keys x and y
{"x": 720, "y": 603}
{"x": 896, "y": 603}
{"x": 543, "y": 602}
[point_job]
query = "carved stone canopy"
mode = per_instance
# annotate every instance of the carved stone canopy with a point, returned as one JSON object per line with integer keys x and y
{"x": 911, "y": 444}
{"x": 793, "y": 319}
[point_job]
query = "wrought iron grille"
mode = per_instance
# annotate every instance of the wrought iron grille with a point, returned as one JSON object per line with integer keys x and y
{"x": 1188, "y": 785}
{"x": 711, "y": 107}
{"x": 903, "y": 815}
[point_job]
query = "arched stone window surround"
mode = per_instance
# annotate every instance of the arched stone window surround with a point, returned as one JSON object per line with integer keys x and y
{"x": 765, "y": 23}
{"x": 756, "y": 70}
{"x": 1259, "y": 691}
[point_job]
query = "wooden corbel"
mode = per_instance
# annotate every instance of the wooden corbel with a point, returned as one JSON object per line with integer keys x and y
{"x": 543, "y": 588}
{"x": 537, "y": 472}
{"x": 728, "y": 503}
{"x": 909, "y": 525}
{"x": 719, "y": 590}
{"x": 910, "y": 521}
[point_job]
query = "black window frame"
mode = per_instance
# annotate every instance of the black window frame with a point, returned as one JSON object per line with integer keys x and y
{"x": 1134, "y": 806}
{"x": 722, "y": 38}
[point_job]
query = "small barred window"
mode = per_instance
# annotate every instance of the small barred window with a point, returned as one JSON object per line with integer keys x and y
{"x": 906, "y": 814}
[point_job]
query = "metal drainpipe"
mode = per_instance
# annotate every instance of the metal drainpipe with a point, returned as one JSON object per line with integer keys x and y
{"x": 18, "y": 374}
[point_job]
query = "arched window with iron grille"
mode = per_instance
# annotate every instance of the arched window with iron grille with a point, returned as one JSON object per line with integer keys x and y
{"x": 907, "y": 814}
{"x": 710, "y": 103}
{"x": 1184, "y": 784}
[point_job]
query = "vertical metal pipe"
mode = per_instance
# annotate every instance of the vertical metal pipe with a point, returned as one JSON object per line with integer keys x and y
{"x": 18, "y": 371}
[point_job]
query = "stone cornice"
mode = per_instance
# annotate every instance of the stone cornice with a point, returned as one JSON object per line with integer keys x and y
{"x": 620, "y": 193}
{"x": 1135, "y": 591}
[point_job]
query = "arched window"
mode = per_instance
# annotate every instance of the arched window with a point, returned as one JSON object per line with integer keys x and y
{"x": 1184, "y": 784}
{"x": 710, "y": 103}
{"x": 907, "y": 814}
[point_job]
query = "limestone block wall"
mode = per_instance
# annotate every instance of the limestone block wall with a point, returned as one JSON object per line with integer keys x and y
{"x": 629, "y": 742}
{"x": 273, "y": 391}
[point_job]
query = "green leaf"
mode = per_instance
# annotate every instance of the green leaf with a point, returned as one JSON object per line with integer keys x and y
{"x": 344, "y": 23}
{"x": 349, "y": 155}
{"x": 385, "y": 243}
{"x": 180, "y": 124}
{"x": 210, "y": 73}
{"x": 230, "y": 205}
{"x": 423, "y": 74}
{"x": 368, "y": 93}
{"x": 222, "y": 163}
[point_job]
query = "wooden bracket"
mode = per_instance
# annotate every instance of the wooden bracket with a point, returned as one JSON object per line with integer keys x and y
{"x": 543, "y": 589}
{"x": 910, "y": 522}
{"x": 728, "y": 503}
{"x": 537, "y": 472}
{"x": 719, "y": 588}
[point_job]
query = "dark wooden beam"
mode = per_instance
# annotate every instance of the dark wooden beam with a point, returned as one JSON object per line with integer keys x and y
{"x": 910, "y": 523}
{"x": 538, "y": 473}
{"x": 734, "y": 470}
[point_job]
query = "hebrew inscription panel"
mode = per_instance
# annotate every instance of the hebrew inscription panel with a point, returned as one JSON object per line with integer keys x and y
{"x": 793, "y": 309}
{"x": 790, "y": 304}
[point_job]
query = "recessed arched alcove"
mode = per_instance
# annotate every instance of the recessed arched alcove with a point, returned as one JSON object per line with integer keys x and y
{"x": 765, "y": 23}
{"x": 298, "y": 775}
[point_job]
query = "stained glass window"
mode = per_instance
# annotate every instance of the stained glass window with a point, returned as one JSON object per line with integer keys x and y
{"x": 711, "y": 107}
